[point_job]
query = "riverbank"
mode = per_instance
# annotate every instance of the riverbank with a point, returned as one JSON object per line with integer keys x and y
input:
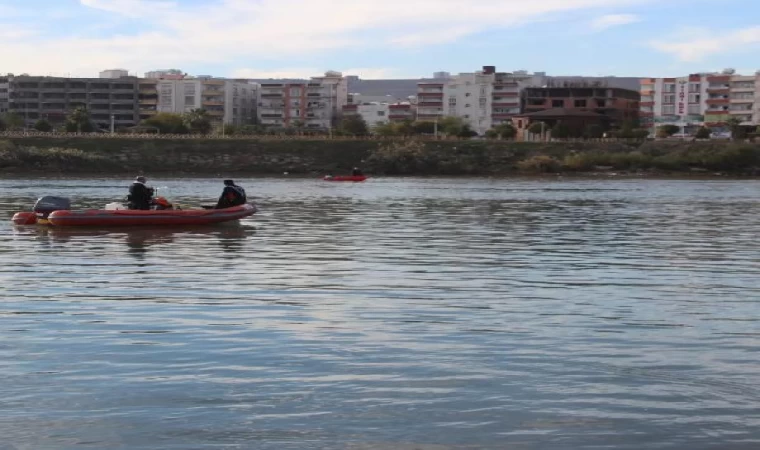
{"x": 117, "y": 156}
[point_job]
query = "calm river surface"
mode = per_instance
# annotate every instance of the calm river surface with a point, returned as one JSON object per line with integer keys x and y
{"x": 394, "y": 314}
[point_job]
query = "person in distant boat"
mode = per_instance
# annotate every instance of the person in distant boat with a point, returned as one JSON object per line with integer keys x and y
{"x": 140, "y": 196}
{"x": 232, "y": 195}
{"x": 357, "y": 173}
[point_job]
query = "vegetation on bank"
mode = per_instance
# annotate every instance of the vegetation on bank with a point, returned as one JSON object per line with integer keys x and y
{"x": 383, "y": 157}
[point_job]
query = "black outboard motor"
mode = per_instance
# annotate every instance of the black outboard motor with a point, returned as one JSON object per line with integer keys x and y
{"x": 47, "y": 204}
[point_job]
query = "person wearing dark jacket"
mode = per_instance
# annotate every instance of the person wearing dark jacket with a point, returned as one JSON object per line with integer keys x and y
{"x": 140, "y": 195}
{"x": 232, "y": 195}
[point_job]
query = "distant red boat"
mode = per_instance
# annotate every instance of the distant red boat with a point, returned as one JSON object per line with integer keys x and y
{"x": 354, "y": 178}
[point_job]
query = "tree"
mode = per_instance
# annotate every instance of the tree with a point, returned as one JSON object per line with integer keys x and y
{"x": 43, "y": 125}
{"x": 703, "y": 133}
{"x": 198, "y": 121}
{"x": 11, "y": 121}
{"x": 452, "y": 126}
{"x": 735, "y": 125}
{"x": 560, "y": 131}
{"x": 502, "y": 131}
{"x": 594, "y": 131}
{"x": 386, "y": 129}
{"x": 466, "y": 132}
{"x": 404, "y": 128}
{"x": 78, "y": 121}
{"x": 354, "y": 125}
{"x": 537, "y": 128}
{"x": 167, "y": 123}
{"x": 665, "y": 131}
{"x": 424, "y": 127}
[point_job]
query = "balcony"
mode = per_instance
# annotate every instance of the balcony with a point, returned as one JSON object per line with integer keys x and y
{"x": 743, "y": 100}
{"x": 646, "y": 104}
{"x": 149, "y": 101}
{"x": 496, "y": 104}
{"x": 506, "y": 94}
{"x": 430, "y": 94}
{"x": 207, "y": 92}
{"x": 721, "y": 90}
{"x": 718, "y": 101}
{"x": 271, "y": 95}
{"x": 215, "y": 112}
{"x": 433, "y": 104}
{"x": 212, "y": 103}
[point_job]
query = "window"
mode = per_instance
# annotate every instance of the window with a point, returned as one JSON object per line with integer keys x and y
{"x": 482, "y": 102}
{"x": 466, "y": 116}
{"x": 694, "y": 109}
{"x": 694, "y": 87}
{"x": 669, "y": 110}
{"x": 694, "y": 98}
{"x": 381, "y": 113}
{"x": 452, "y": 101}
{"x": 558, "y": 103}
{"x": 580, "y": 103}
{"x": 189, "y": 100}
{"x": 467, "y": 94}
{"x": 669, "y": 99}
{"x": 669, "y": 88}
{"x": 482, "y": 91}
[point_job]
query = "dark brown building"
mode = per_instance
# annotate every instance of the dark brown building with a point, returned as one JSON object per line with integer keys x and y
{"x": 616, "y": 105}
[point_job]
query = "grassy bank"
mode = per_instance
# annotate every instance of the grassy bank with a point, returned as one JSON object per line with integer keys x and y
{"x": 82, "y": 155}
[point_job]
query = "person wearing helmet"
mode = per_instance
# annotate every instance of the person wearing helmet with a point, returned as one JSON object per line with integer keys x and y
{"x": 356, "y": 172}
{"x": 232, "y": 195}
{"x": 140, "y": 196}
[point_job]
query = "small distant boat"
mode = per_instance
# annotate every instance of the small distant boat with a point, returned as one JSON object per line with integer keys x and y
{"x": 354, "y": 178}
{"x": 56, "y": 211}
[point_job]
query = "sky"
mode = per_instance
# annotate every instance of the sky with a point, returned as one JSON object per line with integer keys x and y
{"x": 379, "y": 38}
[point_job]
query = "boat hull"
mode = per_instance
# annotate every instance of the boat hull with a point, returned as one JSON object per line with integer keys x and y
{"x": 121, "y": 217}
{"x": 355, "y": 179}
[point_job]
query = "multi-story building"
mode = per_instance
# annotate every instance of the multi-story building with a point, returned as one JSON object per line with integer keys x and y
{"x": 225, "y": 101}
{"x": 315, "y": 104}
{"x": 52, "y": 98}
{"x": 379, "y": 113}
{"x": 616, "y": 105}
{"x": 4, "y": 94}
{"x": 483, "y": 99}
{"x": 706, "y": 99}
{"x": 114, "y": 73}
{"x": 166, "y": 74}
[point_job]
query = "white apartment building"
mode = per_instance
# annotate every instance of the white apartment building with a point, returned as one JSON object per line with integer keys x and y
{"x": 114, "y": 73}
{"x": 226, "y": 101}
{"x": 483, "y": 99}
{"x": 707, "y": 99}
{"x": 315, "y": 104}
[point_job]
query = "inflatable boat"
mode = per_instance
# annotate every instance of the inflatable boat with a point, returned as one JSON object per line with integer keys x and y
{"x": 56, "y": 211}
{"x": 354, "y": 178}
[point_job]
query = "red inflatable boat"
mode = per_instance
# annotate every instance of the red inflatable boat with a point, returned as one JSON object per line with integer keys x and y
{"x": 354, "y": 178}
{"x": 59, "y": 216}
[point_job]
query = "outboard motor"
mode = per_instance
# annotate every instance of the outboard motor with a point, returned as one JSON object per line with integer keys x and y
{"x": 49, "y": 203}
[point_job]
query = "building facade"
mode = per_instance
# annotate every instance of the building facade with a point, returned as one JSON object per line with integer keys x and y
{"x": 314, "y": 104}
{"x": 616, "y": 105}
{"x": 377, "y": 113}
{"x": 52, "y": 98}
{"x": 483, "y": 99}
{"x": 225, "y": 101}
{"x": 696, "y": 100}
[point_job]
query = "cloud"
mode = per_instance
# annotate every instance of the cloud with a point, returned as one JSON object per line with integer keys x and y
{"x": 237, "y": 33}
{"x": 613, "y": 20}
{"x": 695, "y": 44}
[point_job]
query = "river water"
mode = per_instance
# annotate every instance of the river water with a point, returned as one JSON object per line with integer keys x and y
{"x": 393, "y": 314}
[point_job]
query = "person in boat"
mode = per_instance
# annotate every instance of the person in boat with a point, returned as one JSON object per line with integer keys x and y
{"x": 140, "y": 195}
{"x": 232, "y": 195}
{"x": 357, "y": 173}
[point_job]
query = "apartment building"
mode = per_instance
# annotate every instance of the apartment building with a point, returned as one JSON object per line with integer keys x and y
{"x": 381, "y": 113}
{"x": 315, "y": 104}
{"x": 483, "y": 99}
{"x": 706, "y": 99}
{"x": 615, "y": 105}
{"x": 225, "y": 101}
{"x": 52, "y": 98}
{"x": 4, "y": 98}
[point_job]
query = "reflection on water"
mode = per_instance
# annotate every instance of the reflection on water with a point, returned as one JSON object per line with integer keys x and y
{"x": 396, "y": 314}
